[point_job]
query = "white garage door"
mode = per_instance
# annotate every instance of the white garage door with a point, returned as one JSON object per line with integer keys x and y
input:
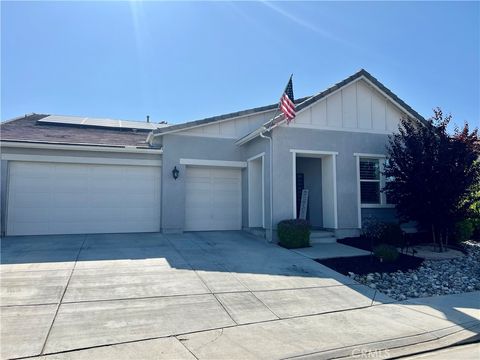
{"x": 213, "y": 199}
{"x": 58, "y": 198}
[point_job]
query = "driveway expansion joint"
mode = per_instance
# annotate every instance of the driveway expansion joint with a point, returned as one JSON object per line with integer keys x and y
{"x": 63, "y": 294}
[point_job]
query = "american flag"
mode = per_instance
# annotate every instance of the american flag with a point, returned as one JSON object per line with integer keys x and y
{"x": 287, "y": 104}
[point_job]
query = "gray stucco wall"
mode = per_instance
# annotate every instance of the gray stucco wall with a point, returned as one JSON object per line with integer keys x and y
{"x": 3, "y": 194}
{"x": 176, "y": 147}
{"x": 384, "y": 215}
{"x": 345, "y": 143}
{"x": 249, "y": 150}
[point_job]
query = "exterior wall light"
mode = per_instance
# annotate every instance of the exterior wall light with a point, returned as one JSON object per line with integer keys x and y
{"x": 175, "y": 173}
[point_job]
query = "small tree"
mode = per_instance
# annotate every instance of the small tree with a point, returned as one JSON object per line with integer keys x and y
{"x": 434, "y": 176}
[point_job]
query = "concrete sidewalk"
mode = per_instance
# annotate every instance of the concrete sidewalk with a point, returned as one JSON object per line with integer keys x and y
{"x": 463, "y": 352}
{"x": 330, "y": 250}
{"x": 200, "y": 295}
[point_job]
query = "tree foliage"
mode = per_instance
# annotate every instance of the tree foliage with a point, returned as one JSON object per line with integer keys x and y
{"x": 434, "y": 176}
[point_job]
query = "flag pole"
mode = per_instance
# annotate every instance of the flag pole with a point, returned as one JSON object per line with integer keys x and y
{"x": 278, "y": 107}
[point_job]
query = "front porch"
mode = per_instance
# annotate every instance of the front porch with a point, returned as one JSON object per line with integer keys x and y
{"x": 316, "y": 172}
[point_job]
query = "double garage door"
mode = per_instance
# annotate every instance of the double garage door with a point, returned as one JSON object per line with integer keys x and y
{"x": 213, "y": 199}
{"x": 60, "y": 198}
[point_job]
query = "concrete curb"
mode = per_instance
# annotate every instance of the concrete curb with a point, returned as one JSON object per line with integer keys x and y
{"x": 406, "y": 346}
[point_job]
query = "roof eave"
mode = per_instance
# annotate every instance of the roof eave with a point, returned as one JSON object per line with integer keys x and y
{"x": 216, "y": 119}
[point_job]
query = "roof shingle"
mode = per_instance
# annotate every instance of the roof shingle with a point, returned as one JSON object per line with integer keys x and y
{"x": 29, "y": 129}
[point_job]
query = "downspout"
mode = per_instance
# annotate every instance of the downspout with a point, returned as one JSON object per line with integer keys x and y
{"x": 262, "y": 135}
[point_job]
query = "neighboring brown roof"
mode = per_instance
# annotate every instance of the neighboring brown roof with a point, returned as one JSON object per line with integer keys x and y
{"x": 28, "y": 129}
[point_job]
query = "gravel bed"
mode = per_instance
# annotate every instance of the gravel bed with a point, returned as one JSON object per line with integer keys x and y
{"x": 432, "y": 278}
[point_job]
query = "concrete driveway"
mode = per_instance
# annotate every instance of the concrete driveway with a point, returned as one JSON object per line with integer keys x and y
{"x": 196, "y": 295}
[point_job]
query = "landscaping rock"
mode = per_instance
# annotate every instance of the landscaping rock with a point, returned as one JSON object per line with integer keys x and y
{"x": 433, "y": 277}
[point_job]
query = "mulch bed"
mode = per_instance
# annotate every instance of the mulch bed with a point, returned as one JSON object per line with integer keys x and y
{"x": 369, "y": 264}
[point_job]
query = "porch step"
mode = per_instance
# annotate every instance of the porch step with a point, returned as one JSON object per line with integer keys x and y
{"x": 322, "y": 237}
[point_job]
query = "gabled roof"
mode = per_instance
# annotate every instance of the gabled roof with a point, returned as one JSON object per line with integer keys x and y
{"x": 28, "y": 128}
{"x": 301, "y": 104}
{"x": 359, "y": 74}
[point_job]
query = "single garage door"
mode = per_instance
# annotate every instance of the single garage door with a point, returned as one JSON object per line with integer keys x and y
{"x": 59, "y": 198}
{"x": 213, "y": 199}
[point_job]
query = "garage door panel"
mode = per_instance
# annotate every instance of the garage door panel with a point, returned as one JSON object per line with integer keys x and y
{"x": 212, "y": 199}
{"x": 32, "y": 185}
{"x": 66, "y": 172}
{"x": 33, "y": 170}
{"x": 35, "y": 215}
{"x": 47, "y": 198}
{"x": 136, "y": 198}
{"x": 111, "y": 199}
{"x": 140, "y": 215}
{"x": 64, "y": 198}
{"x": 29, "y": 228}
{"x": 24, "y": 200}
{"x": 71, "y": 187}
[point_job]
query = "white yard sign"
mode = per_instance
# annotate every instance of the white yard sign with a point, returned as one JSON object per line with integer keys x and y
{"x": 304, "y": 205}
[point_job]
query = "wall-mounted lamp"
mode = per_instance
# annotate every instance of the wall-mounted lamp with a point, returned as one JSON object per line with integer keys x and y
{"x": 175, "y": 173}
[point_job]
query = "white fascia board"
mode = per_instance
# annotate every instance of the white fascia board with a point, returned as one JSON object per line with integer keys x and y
{"x": 250, "y": 136}
{"x": 219, "y": 163}
{"x": 86, "y": 147}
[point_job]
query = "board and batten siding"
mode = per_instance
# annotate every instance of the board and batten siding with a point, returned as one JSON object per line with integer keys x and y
{"x": 356, "y": 107}
{"x": 234, "y": 128}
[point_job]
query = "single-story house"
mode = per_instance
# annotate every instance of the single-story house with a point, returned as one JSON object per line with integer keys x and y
{"x": 67, "y": 175}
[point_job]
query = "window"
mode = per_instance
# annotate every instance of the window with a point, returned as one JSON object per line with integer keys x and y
{"x": 372, "y": 181}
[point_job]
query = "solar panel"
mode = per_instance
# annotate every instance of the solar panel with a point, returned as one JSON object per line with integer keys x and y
{"x": 101, "y": 122}
{"x": 110, "y": 123}
{"x": 71, "y": 120}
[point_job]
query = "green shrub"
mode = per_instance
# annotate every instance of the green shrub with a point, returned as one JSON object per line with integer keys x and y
{"x": 392, "y": 234}
{"x": 294, "y": 233}
{"x": 379, "y": 232}
{"x": 464, "y": 230}
{"x": 385, "y": 252}
{"x": 372, "y": 229}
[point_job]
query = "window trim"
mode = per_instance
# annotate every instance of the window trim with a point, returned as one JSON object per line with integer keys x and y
{"x": 383, "y": 198}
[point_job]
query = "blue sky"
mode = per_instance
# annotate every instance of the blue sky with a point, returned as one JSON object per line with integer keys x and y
{"x": 185, "y": 61}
